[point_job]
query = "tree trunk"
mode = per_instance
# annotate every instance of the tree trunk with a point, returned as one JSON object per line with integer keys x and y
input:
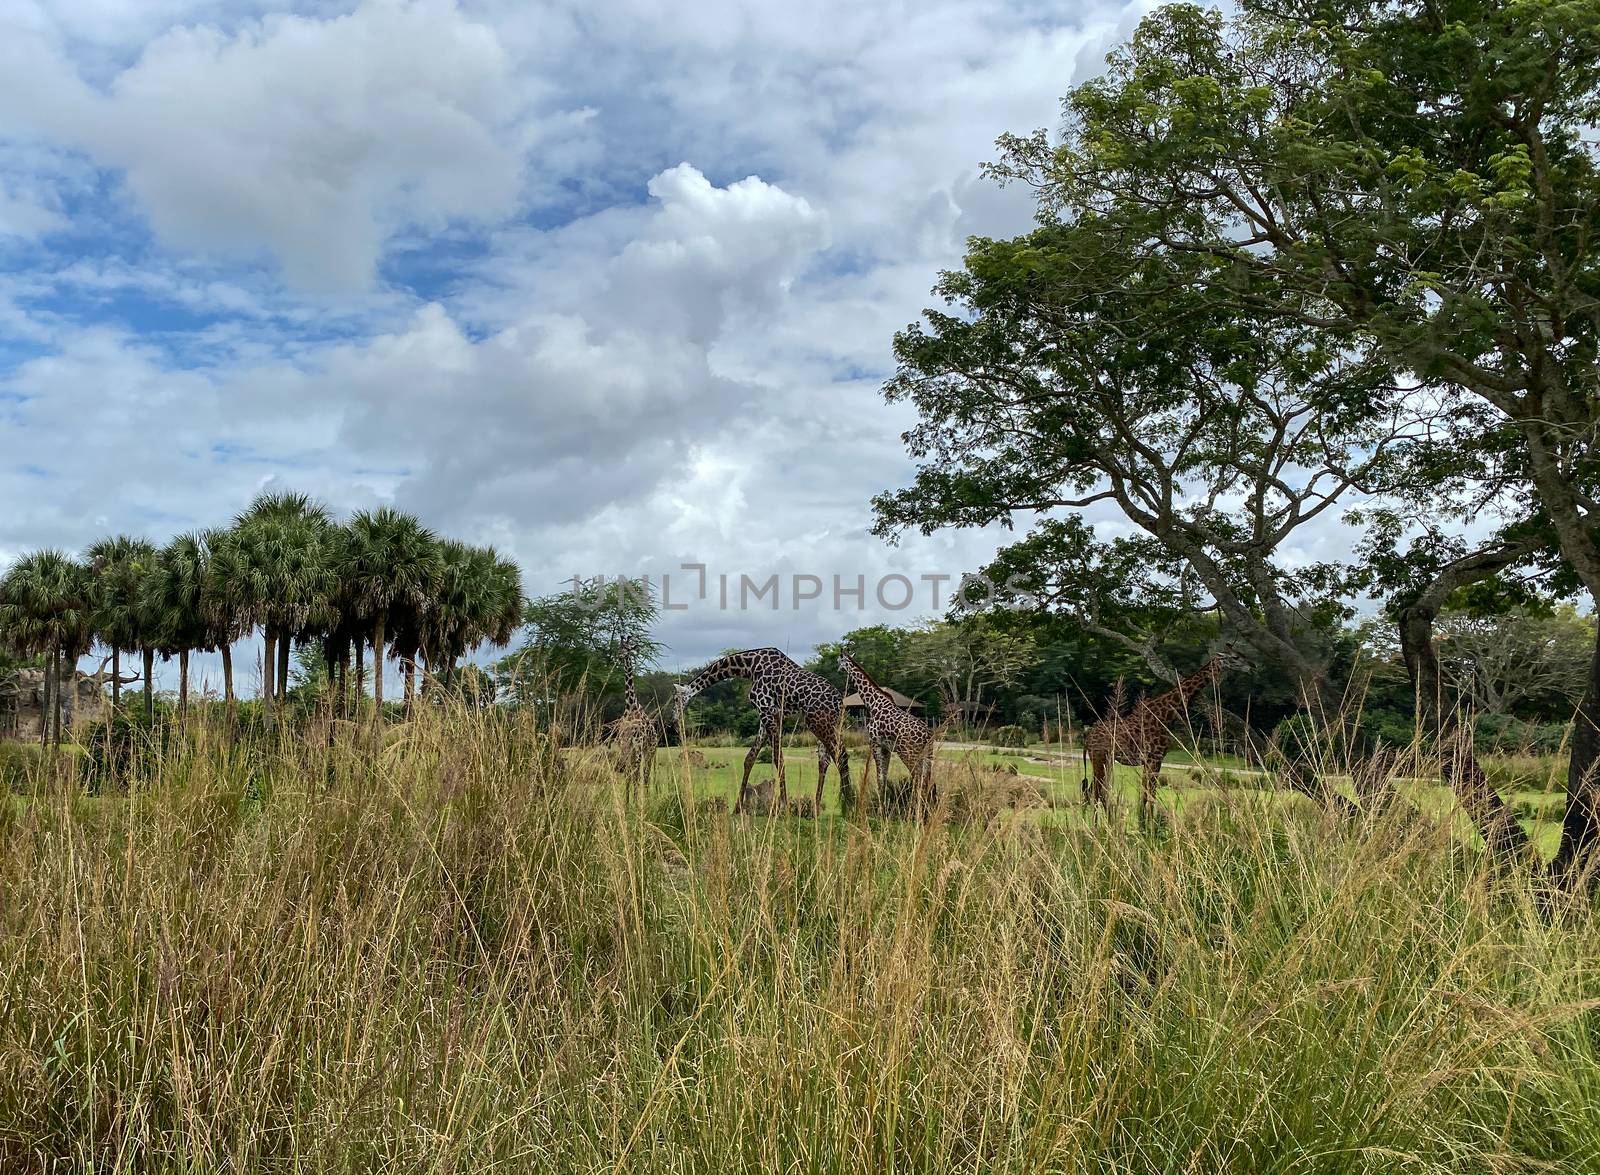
{"x": 1439, "y": 716}
{"x": 410, "y": 664}
{"x": 62, "y": 672}
{"x": 149, "y": 687}
{"x": 344, "y": 676}
{"x": 116, "y": 679}
{"x": 227, "y": 681}
{"x": 377, "y": 664}
{"x": 361, "y": 673}
{"x": 49, "y": 701}
{"x": 183, "y": 685}
{"x": 283, "y": 667}
{"x": 1580, "y": 824}
{"x": 330, "y": 676}
{"x": 269, "y": 662}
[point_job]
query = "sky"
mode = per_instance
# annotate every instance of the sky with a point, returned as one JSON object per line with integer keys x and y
{"x": 612, "y": 286}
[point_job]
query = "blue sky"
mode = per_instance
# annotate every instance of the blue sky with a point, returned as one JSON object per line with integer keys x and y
{"x": 612, "y": 286}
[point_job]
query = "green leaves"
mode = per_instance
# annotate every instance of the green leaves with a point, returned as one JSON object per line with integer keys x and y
{"x": 45, "y": 605}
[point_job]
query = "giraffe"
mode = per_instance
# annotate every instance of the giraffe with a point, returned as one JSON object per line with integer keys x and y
{"x": 632, "y": 736}
{"x": 893, "y": 730}
{"x": 1143, "y": 738}
{"x": 779, "y": 687}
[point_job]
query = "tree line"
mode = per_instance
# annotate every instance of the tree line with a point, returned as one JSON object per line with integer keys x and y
{"x": 286, "y": 568}
{"x": 1307, "y": 264}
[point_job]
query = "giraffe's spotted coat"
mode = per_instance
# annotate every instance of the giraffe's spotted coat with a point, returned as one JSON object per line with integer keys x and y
{"x": 1143, "y": 737}
{"x": 891, "y": 730}
{"x": 778, "y": 688}
{"x": 633, "y": 736}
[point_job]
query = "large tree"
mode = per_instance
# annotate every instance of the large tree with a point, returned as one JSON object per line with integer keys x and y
{"x": 476, "y": 598}
{"x": 173, "y": 595}
{"x": 273, "y": 572}
{"x": 46, "y": 610}
{"x": 970, "y": 658}
{"x": 389, "y": 561}
{"x": 119, "y": 566}
{"x": 571, "y": 637}
{"x": 1416, "y": 182}
{"x": 1070, "y": 375}
{"x": 303, "y": 526}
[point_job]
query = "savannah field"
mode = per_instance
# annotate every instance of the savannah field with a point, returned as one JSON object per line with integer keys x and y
{"x": 474, "y": 950}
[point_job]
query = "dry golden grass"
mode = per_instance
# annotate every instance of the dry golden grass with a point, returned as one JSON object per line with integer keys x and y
{"x": 469, "y": 951}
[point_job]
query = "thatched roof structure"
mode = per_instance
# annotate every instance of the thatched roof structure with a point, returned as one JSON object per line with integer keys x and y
{"x": 854, "y": 702}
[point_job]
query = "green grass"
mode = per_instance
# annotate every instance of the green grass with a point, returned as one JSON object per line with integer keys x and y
{"x": 472, "y": 952}
{"x": 1060, "y": 782}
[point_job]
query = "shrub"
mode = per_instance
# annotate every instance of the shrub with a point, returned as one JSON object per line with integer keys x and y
{"x": 1009, "y": 736}
{"x": 117, "y": 749}
{"x": 22, "y": 767}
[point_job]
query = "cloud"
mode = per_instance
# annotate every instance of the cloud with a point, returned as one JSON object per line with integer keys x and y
{"x": 311, "y": 139}
{"x": 613, "y": 287}
{"x": 560, "y": 413}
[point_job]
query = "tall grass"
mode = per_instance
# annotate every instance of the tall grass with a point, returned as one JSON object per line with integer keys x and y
{"x": 470, "y": 951}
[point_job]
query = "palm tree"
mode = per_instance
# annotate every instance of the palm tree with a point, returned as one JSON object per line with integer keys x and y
{"x": 45, "y": 609}
{"x": 225, "y": 594}
{"x": 119, "y": 565}
{"x": 390, "y": 561}
{"x": 479, "y": 598}
{"x": 345, "y": 623}
{"x": 173, "y": 597}
{"x": 307, "y": 523}
{"x": 277, "y": 576}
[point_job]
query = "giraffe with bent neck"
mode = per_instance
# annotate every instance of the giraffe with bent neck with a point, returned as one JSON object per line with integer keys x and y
{"x": 778, "y": 688}
{"x": 893, "y": 730}
{"x": 1144, "y": 737}
{"x": 633, "y": 736}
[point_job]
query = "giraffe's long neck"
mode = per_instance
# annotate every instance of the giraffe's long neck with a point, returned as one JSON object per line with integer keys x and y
{"x": 723, "y": 668}
{"x": 633, "y": 696}
{"x": 872, "y": 697}
{"x": 1179, "y": 697}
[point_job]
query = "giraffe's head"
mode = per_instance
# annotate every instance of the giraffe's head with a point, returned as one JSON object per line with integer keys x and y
{"x": 681, "y": 694}
{"x": 853, "y": 672}
{"x": 1229, "y": 655}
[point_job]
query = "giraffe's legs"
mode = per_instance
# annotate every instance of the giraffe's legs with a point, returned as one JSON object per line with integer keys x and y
{"x": 1148, "y": 772}
{"x": 921, "y": 770}
{"x": 777, "y": 764}
{"x": 847, "y": 794}
{"x": 1100, "y": 767}
{"x": 762, "y": 737}
{"x": 880, "y": 759}
{"x": 823, "y": 759}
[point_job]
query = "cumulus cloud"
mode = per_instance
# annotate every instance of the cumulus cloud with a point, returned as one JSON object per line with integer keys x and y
{"x": 560, "y": 413}
{"x": 312, "y": 139}
{"x": 621, "y": 355}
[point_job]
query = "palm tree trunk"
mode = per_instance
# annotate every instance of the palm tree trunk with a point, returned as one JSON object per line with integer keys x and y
{"x": 377, "y": 664}
{"x": 48, "y": 706}
{"x": 116, "y": 678}
{"x": 330, "y": 676}
{"x": 344, "y": 677}
{"x": 361, "y": 673}
{"x": 411, "y": 682}
{"x": 61, "y": 665}
{"x": 149, "y": 688}
{"x": 183, "y": 685}
{"x": 269, "y": 661}
{"x": 283, "y": 667}
{"x": 227, "y": 680}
